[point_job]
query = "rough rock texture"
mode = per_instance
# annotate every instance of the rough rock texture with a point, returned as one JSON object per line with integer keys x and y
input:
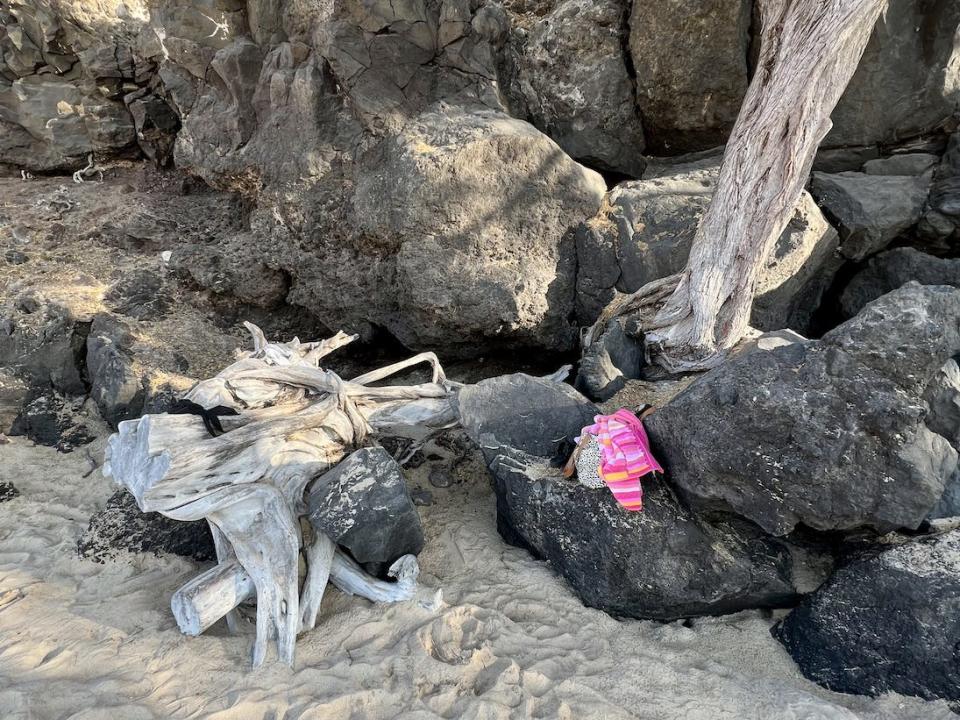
{"x": 943, "y": 397}
{"x": 949, "y": 505}
{"x": 889, "y": 270}
{"x": 690, "y": 58}
{"x": 661, "y": 563}
{"x": 49, "y": 418}
{"x": 904, "y": 164}
{"x": 115, "y": 384}
{"x": 14, "y": 393}
{"x": 572, "y": 82}
{"x": 827, "y": 433}
{"x": 884, "y": 623}
{"x": 870, "y": 210}
{"x": 476, "y": 205}
{"x": 121, "y": 527}
{"x": 613, "y": 359}
{"x": 44, "y": 341}
{"x": 908, "y": 81}
{"x": 645, "y": 229}
{"x": 940, "y": 226}
{"x": 363, "y": 505}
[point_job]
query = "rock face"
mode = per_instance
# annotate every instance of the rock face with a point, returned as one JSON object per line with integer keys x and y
{"x": 827, "y": 433}
{"x": 661, "y": 563}
{"x": 884, "y": 623}
{"x": 908, "y": 81}
{"x": 646, "y": 228}
{"x": 476, "y": 204}
{"x": 121, "y": 527}
{"x": 940, "y": 226}
{"x": 889, "y": 270}
{"x": 363, "y": 505}
{"x": 870, "y": 210}
{"x": 690, "y": 59}
{"x": 572, "y": 83}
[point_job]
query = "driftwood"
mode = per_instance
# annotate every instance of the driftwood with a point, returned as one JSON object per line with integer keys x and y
{"x": 809, "y": 50}
{"x": 293, "y": 422}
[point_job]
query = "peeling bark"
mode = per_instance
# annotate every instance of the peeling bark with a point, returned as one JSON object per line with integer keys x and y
{"x": 809, "y": 51}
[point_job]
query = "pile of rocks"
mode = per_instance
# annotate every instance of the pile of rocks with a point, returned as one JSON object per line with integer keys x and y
{"x": 771, "y": 460}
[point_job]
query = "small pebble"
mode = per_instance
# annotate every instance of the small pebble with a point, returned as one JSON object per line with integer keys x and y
{"x": 421, "y": 497}
{"x": 15, "y": 257}
{"x": 440, "y": 478}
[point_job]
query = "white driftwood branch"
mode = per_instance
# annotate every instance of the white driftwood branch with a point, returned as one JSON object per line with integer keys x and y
{"x": 349, "y": 577}
{"x": 210, "y": 596}
{"x": 319, "y": 556}
{"x": 294, "y": 421}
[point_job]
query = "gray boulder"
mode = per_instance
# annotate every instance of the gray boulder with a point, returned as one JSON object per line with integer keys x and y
{"x": 61, "y": 77}
{"x": 572, "y": 83}
{"x": 889, "y": 270}
{"x": 827, "y": 433}
{"x": 646, "y": 228}
{"x": 870, "y": 211}
{"x": 610, "y": 361}
{"x": 661, "y": 563}
{"x": 903, "y": 164}
{"x": 363, "y": 505}
{"x": 475, "y": 206}
{"x": 906, "y": 83}
{"x": 883, "y": 623}
{"x": 690, "y": 60}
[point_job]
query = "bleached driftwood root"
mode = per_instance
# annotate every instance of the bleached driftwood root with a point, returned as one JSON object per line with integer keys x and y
{"x": 210, "y": 596}
{"x": 293, "y": 422}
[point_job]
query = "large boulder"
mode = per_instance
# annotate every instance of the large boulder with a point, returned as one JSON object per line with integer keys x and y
{"x": 363, "y": 505}
{"x": 571, "y": 81}
{"x": 690, "y": 60}
{"x": 870, "y": 211}
{"x": 645, "y": 229}
{"x": 471, "y": 209}
{"x": 908, "y": 80}
{"x": 887, "y": 622}
{"x": 829, "y": 434}
{"x": 663, "y": 562}
{"x": 889, "y": 270}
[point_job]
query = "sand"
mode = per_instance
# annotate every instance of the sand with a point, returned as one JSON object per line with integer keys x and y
{"x": 85, "y": 640}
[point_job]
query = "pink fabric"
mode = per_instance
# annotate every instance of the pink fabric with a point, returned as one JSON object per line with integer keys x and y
{"x": 625, "y": 456}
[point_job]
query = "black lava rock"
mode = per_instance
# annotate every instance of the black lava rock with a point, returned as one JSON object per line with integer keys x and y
{"x": 886, "y": 622}
{"x": 121, "y": 527}
{"x": 364, "y": 506}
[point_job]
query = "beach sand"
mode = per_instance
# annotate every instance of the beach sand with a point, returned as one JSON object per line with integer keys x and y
{"x": 89, "y": 641}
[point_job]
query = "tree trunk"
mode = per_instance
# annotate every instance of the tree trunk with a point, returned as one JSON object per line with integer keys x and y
{"x": 809, "y": 51}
